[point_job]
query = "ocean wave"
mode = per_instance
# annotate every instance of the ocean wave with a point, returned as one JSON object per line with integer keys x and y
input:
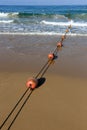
{"x": 4, "y": 14}
{"x": 66, "y": 16}
{"x": 82, "y": 16}
{"x": 13, "y": 14}
{"x": 6, "y": 21}
{"x": 25, "y": 15}
{"x": 8, "y": 14}
{"x": 76, "y": 24}
{"x": 41, "y": 15}
{"x": 76, "y": 16}
{"x": 59, "y": 16}
{"x": 50, "y": 15}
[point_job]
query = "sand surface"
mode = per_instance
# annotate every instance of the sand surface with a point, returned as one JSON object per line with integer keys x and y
{"x": 61, "y": 102}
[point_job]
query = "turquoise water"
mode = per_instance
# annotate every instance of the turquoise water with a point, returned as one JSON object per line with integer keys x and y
{"x": 43, "y": 20}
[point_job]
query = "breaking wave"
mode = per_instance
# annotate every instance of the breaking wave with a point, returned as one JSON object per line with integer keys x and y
{"x": 8, "y": 14}
{"x": 76, "y": 24}
{"x": 6, "y": 21}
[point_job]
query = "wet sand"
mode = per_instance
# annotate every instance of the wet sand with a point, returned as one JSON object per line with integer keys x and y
{"x": 60, "y": 103}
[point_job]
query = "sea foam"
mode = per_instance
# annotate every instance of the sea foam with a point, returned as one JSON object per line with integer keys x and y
{"x": 6, "y": 21}
{"x": 76, "y": 24}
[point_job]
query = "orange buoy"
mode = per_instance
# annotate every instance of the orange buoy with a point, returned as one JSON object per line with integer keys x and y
{"x": 32, "y": 83}
{"x": 67, "y": 31}
{"x": 51, "y": 56}
{"x": 59, "y": 44}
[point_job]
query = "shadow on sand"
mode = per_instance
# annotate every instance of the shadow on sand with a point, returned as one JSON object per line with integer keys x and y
{"x": 41, "y": 81}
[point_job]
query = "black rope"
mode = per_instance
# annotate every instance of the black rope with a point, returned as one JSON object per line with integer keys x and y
{"x": 42, "y": 69}
{"x": 50, "y": 62}
{"x": 54, "y": 52}
{"x": 20, "y": 110}
{"x": 13, "y": 108}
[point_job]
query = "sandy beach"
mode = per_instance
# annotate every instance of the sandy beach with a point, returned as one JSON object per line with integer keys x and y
{"x": 60, "y": 103}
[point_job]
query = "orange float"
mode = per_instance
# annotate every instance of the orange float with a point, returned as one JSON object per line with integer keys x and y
{"x": 51, "y": 56}
{"x": 67, "y": 31}
{"x": 32, "y": 83}
{"x": 59, "y": 44}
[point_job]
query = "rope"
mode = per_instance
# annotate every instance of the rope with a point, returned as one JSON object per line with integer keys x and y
{"x": 14, "y": 108}
{"x": 46, "y": 68}
{"x": 41, "y": 73}
{"x": 54, "y": 52}
{"x": 20, "y": 110}
{"x": 42, "y": 69}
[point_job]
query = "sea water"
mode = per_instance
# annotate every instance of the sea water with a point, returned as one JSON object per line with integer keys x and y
{"x": 43, "y": 20}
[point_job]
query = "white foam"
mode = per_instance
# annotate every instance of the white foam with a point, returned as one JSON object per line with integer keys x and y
{"x": 58, "y": 16}
{"x": 8, "y": 14}
{"x": 4, "y": 14}
{"x": 13, "y": 14}
{"x": 6, "y": 21}
{"x": 16, "y": 13}
{"x": 41, "y": 34}
{"x": 76, "y": 24}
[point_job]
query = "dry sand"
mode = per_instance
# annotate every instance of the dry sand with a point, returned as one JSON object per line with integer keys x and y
{"x": 60, "y": 103}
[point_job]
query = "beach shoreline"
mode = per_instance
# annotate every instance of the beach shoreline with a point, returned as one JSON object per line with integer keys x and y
{"x": 29, "y": 53}
{"x": 60, "y": 103}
